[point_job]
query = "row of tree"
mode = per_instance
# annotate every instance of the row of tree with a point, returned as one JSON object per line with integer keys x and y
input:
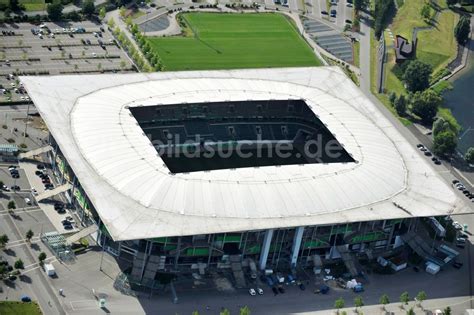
{"x": 383, "y": 10}
{"x": 245, "y": 310}
{"x": 128, "y": 46}
{"x": 153, "y": 58}
{"x": 384, "y": 300}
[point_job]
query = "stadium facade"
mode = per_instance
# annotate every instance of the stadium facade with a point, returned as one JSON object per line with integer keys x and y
{"x": 112, "y": 136}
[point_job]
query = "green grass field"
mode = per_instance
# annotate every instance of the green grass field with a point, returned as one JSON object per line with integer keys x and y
{"x": 19, "y": 308}
{"x": 30, "y": 5}
{"x": 231, "y": 41}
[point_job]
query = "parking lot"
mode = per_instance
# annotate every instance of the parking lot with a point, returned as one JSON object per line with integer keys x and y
{"x": 54, "y": 49}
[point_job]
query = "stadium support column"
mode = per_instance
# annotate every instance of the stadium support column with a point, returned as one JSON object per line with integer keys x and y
{"x": 295, "y": 248}
{"x": 267, "y": 241}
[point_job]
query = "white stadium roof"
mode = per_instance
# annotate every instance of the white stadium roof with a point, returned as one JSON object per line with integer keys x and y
{"x": 136, "y": 197}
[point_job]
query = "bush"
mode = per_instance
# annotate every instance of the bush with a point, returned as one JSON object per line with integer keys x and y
{"x": 469, "y": 156}
{"x": 19, "y": 264}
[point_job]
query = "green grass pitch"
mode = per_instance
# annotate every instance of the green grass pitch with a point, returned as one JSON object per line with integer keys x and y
{"x": 232, "y": 41}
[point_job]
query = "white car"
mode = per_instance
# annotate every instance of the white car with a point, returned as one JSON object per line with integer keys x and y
{"x": 260, "y": 291}
{"x": 34, "y": 192}
{"x": 5, "y": 188}
{"x": 252, "y": 292}
{"x": 457, "y": 225}
{"x": 12, "y": 167}
{"x": 28, "y": 201}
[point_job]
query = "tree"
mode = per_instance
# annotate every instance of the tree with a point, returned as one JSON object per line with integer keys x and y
{"x": 440, "y": 125}
{"x": 425, "y": 11}
{"x": 411, "y": 311}
{"x": 339, "y": 303}
{"x": 19, "y": 264}
{"x": 382, "y": 12}
{"x": 425, "y": 105}
{"x": 445, "y": 143}
{"x": 102, "y": 13}
{"x": 42, "y": 257}
{"x": 3, "y": 240}
{"x": 421, "y": 296}
{"x": 55, "y": 11}
{"x": 88, "y": 7}
{"x": 404, "y": 298}
{"x": 3, "y": 271}
{"x": 134, "y": 29}
{"x": 111, "y": 23}
{"x": 469, "y": 156}
{"x": 224, "y": 312}
{"x": 244, "y": 310}
{"x": 358, "y": 302}
{"x": 417, "y": 76}
{"x": 360, "y": 4}
{"x": 447, "y": 311}
{"x": 29, "y": 235}
{"x": 462, "y": 29}
{"x": 122, "y": 11}
{"x": 392, "y": 97}
{"x": 401, "y": 105}
{"x": 384, "y": 300}
{"x": 15, "y": 5}
{"x": 11, "y": 205}
{"x": 195, "y": 313}
{"x": 451, "y": 2}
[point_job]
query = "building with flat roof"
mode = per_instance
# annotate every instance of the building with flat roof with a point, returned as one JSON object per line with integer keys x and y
{"x": 205, "y": 168}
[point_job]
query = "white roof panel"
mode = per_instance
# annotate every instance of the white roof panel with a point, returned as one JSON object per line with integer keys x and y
{"x": 136, "y": 197}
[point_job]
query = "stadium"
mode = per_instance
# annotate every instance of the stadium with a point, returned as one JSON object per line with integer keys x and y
{"x": 200, "y": 170}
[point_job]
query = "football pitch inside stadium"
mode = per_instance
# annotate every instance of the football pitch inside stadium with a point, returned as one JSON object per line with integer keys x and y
{"x": 232, "y": 41}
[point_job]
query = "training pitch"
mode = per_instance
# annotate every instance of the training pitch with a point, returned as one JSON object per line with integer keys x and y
{"x": 231, "y": 41}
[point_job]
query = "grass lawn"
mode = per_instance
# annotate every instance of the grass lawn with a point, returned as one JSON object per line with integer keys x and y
{"x": 19, "y": 308}
{"x": 30, "y": 5}
{"x": 356, "y": 49}
{"x": 437, "y": 46}
{"x": 231, "y": 41}
{"x": 408, "y": 17}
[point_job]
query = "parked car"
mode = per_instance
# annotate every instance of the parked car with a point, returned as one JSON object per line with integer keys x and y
{"x": 58, "y": 205}
{"x": 252, "y": 292}
{"x": 333, "y": 13}
{"x": 40, "y": 166}
{"x": 15, "y": 188}
{"x": 324, "y": 12}
{"x": 260, "y": 291}
{"x": 457, "y": 225}
{"x": 28, "y": 201}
